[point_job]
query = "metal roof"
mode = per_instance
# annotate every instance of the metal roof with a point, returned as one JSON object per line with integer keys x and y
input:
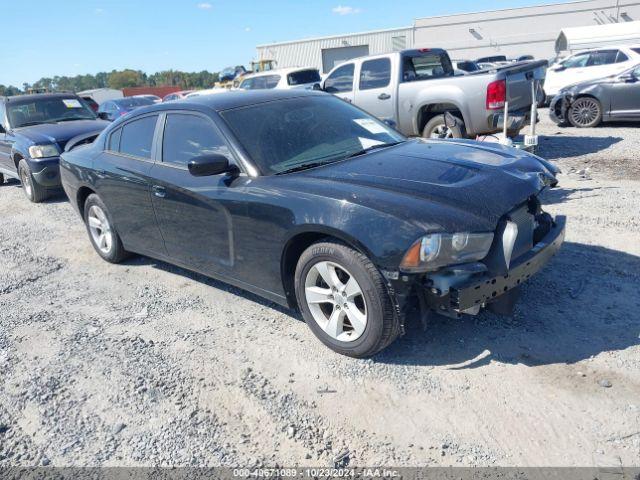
{"x": 329, "y": 37}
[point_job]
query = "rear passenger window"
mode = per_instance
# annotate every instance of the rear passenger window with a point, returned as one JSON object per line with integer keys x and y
{"x": 622, "y": 57}
{"x": 341, "y": 80}
{"x": 265, "y": 82}
{"x": 189, "y": 136}
{"x": 602, "y": 57}
{"x": 137, "y": 137}
{"x": 375, "y": 74}
{"x": 114, "y": 141}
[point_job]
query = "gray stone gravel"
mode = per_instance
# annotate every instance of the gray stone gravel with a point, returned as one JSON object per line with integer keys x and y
{"x": 147, "y": 364}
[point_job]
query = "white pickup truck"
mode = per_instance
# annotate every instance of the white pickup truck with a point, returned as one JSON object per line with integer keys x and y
{"x": 414, "y": 88}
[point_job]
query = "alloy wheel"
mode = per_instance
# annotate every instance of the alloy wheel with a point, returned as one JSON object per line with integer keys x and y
{"x": 100, "y": 229}
{"x": 25, "y": 178}
{"x": 336, "y": 301}
{"x": 441, "y": 131}
{"x": 584, "y": 111}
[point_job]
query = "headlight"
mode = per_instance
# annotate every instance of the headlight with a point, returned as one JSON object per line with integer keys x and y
{"x": 441, "y": 249}
{"x": 42, "y": 151}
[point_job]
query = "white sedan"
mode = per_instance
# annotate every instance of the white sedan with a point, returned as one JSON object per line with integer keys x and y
{"x": 590, "y": 65}
{"x": 284, "y": 78}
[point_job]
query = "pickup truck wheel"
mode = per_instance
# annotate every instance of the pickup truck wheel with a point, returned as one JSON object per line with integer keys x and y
{"x": 344, "y": 301}
{"x": 32, "y": 189}
{"x": 103, "y": 235}
{"x": 436, "y": 128}
{"x": 585, "y": 112}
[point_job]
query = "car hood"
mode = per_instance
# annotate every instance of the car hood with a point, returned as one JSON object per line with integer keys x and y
{"x": 61, "y": 132}
{"x": 461, "y": 183}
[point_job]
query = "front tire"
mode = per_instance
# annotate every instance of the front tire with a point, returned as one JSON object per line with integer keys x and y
{"x": 35, "y": 192}
{"x": 102, "y": 233}
{"x": 344, "y": 301}
{"x": 585, "y": 112}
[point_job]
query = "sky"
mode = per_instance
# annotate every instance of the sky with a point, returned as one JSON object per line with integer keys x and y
{"x": 44, "y": 38}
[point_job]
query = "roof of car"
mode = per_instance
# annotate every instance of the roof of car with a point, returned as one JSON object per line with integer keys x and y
{"x": 608, "y": 47}
{"x": 232, "y": 99}
{"x": 36, "y": 96}
{"x": 278, "y": 71}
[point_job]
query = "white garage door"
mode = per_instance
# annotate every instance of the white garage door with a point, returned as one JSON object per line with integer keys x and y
{"x": 334, "y": 56}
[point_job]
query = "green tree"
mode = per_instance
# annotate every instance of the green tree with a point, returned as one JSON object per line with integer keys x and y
{"x": 9, "y": 91}
{"x": 126, "y": 78}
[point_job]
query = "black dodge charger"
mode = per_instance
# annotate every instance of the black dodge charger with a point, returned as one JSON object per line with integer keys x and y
{"x": 312, "y": 203}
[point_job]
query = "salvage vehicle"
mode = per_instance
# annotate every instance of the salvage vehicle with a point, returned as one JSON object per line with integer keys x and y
{"x": 589, "y": 65}
{"x": 412, "y": 89}
{"x": 609, "y": 99}
{"x": 176, "y": 95}
{"x": 285, "y": 78}
{"x": 35, "y": 130}
{"x": 314, "y": 204}
{"x": 112, "y": 109}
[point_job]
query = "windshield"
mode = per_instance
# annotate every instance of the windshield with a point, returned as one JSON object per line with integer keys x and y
{"x": 47, "y": 110}
{"x": 131, "y": 102}
{"x": 305, "y": 131}
{"x": 303, "y": 76}
{"x": 426, "y": 65}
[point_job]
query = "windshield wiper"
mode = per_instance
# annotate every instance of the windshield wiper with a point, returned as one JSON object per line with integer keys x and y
{"x": 304, "y": 166}
{"x": 73, "y": 119}
{"x": 373, "y": 147}
{"x": 31, "y": 124}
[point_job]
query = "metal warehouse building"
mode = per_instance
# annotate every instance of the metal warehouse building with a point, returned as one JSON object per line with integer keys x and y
{"x": 326, "y": 52}
{"x": 511, "y": 32}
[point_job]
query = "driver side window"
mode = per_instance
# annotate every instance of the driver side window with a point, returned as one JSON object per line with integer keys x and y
{"x": 577, "y": 61}
{"x": 187, "y": 136}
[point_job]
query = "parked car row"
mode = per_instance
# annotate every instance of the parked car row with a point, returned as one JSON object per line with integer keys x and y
{"x": 587, "y": 104}
{"x": 299, "y": 197}
{"x": 588, "y": 65}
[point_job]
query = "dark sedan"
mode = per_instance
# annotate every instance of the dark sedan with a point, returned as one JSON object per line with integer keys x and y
{"x": 310, "y": 202}
{"x": 609, "y": 99}
{"x": 112, "y": 109}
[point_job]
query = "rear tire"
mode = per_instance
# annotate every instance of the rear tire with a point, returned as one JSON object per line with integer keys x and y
{"x": 350, "y": 312}
{"x": 102, "y": 233}
{"x": 436, "y": 128}
{"x": 35, "y": 192}
{"x": 1, "y": 178}
{"x": 585, "y": 112}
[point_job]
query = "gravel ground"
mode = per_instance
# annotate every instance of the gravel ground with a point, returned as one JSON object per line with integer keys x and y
{"x": 147, "y": 364}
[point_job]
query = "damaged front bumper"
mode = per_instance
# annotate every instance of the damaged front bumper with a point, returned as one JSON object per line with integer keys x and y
{"x": 471, "y": 294}
{"x": 466, "y": 289}
{"x": 559, "y": 107}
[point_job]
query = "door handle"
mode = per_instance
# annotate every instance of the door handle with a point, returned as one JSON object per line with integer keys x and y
{"x": 384, "y": 96}
{"x": 159, "y": 191}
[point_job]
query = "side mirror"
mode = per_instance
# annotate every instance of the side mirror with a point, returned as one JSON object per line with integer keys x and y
{"x": 628, "y": 78}
{"x": 2, "y": 130}
{"x": 316, "y": 86}
{"x": 214, "y": 164}
{"x": 559, "y": 68}
{"x": 103, "y": 115}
